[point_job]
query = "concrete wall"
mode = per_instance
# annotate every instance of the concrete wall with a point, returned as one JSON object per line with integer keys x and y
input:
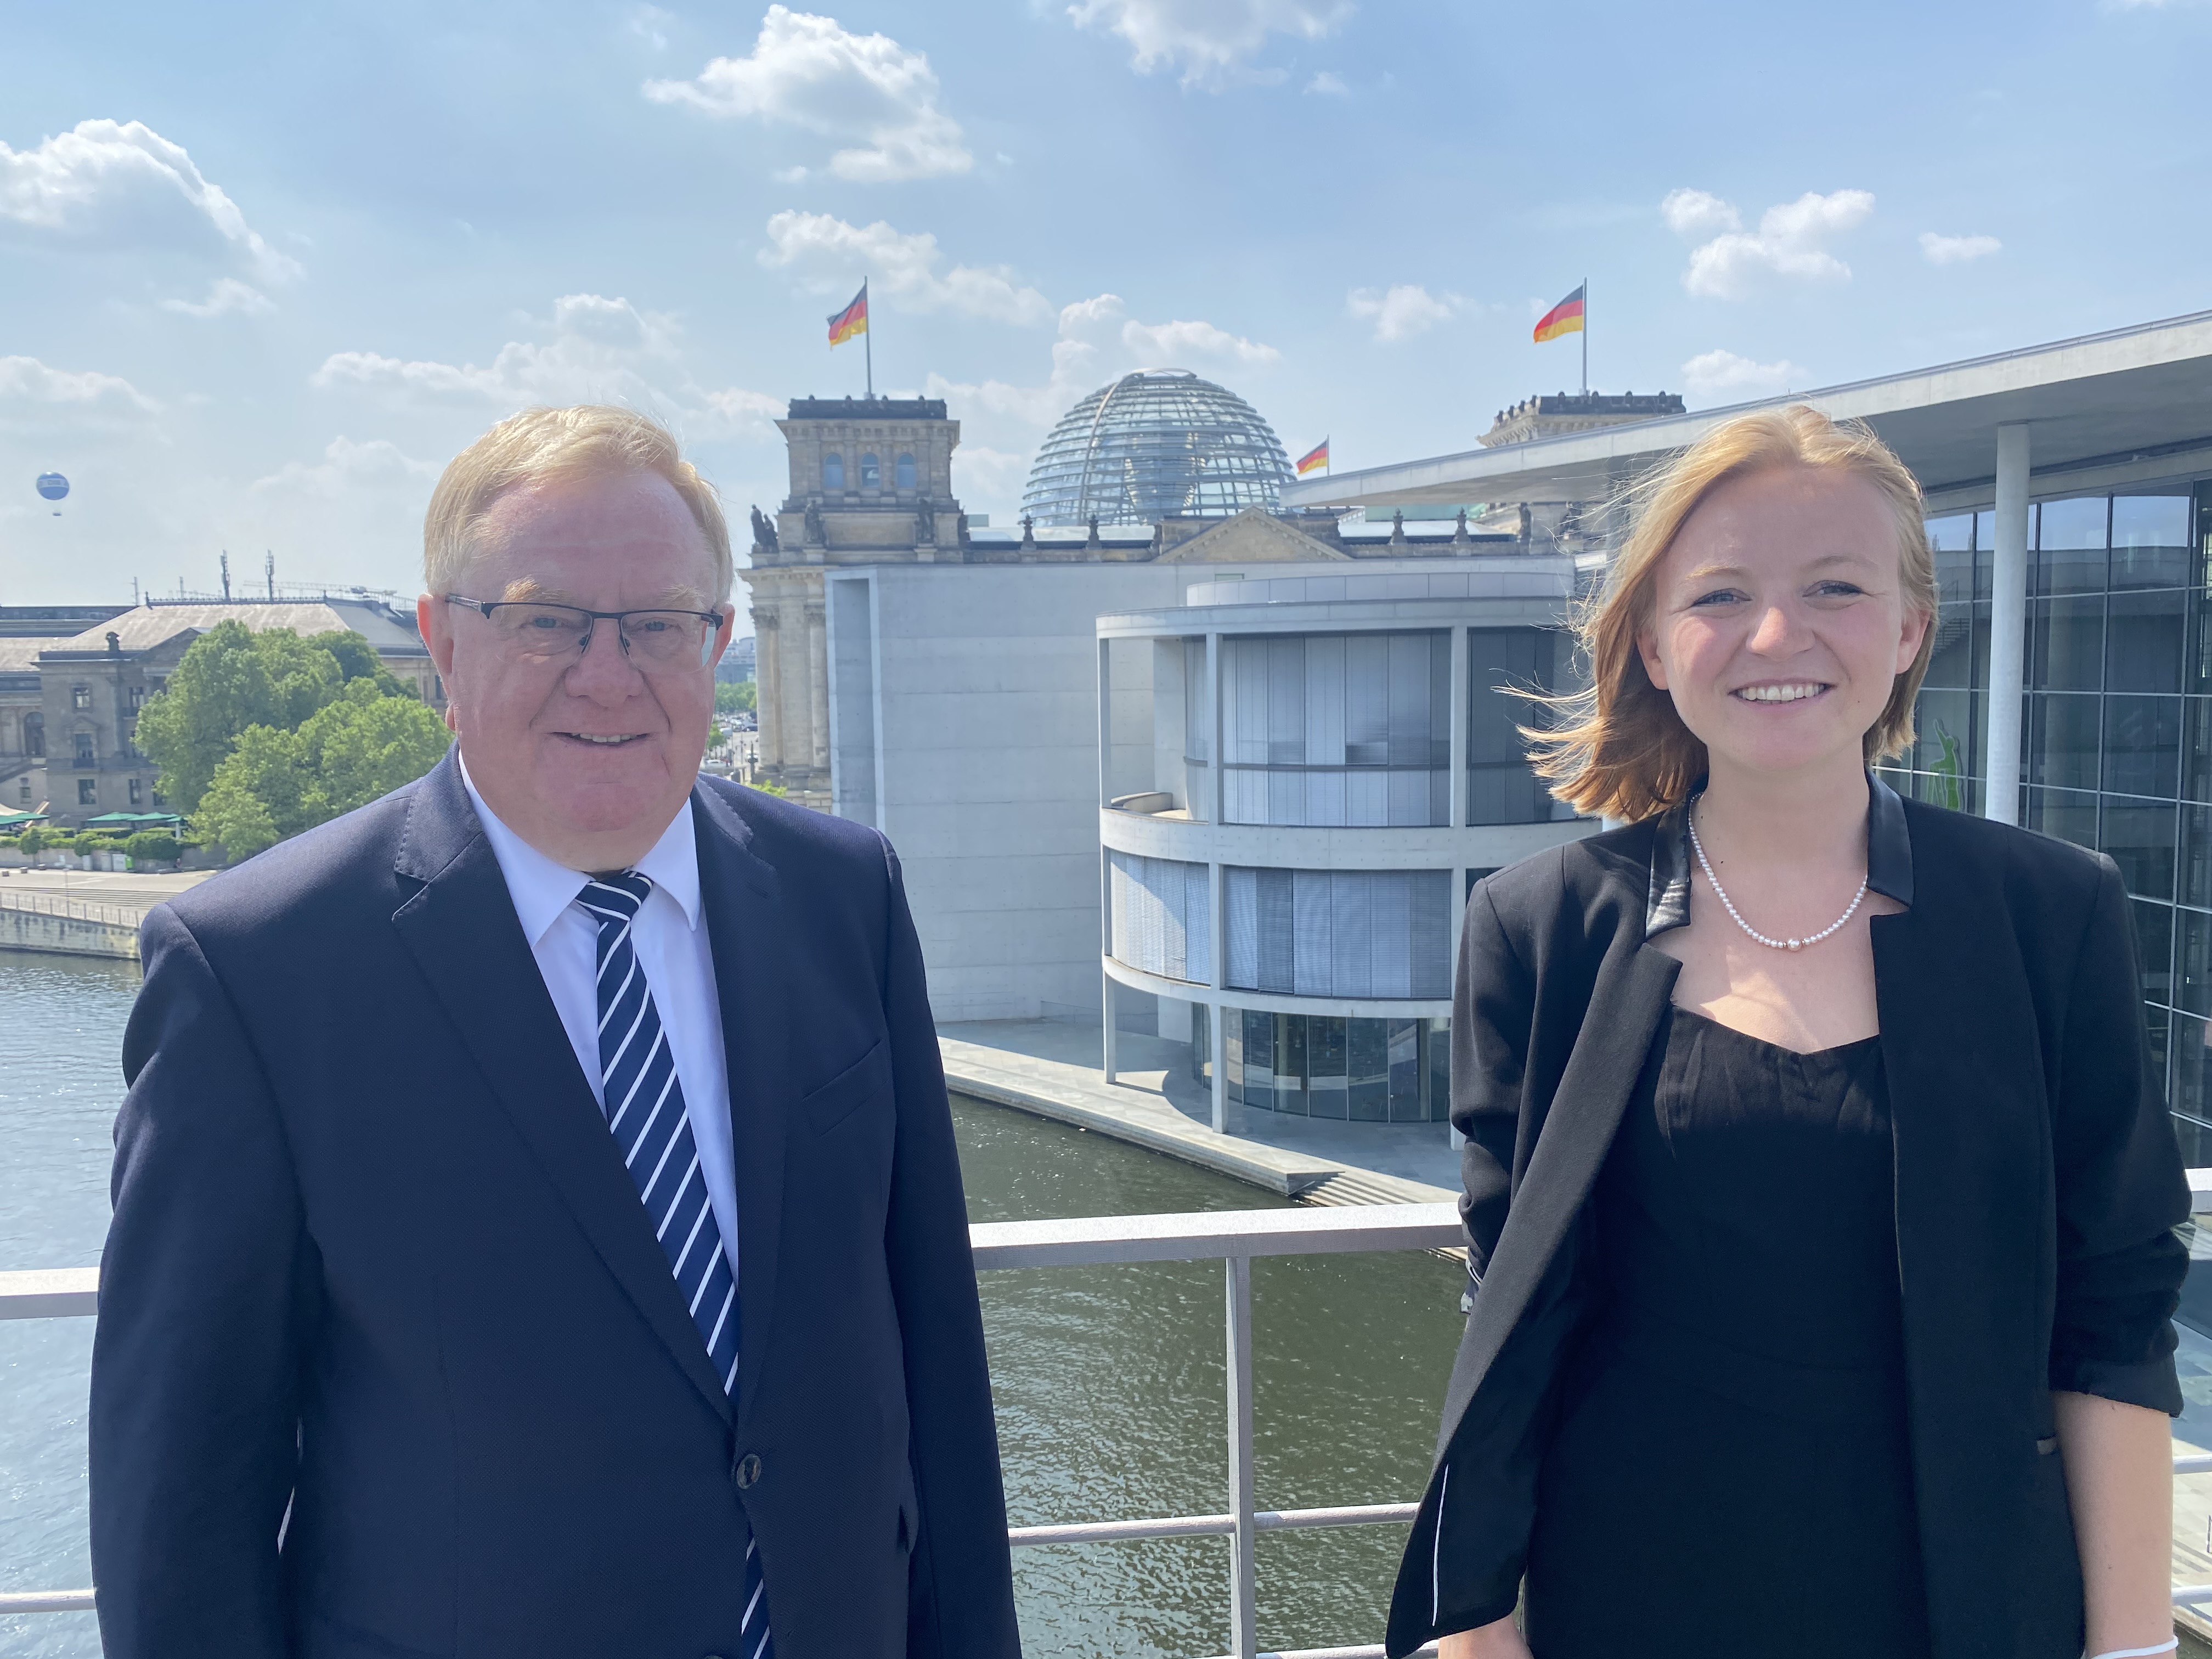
{"x": 988, "y": 753}
{"x": 28, "y": 930}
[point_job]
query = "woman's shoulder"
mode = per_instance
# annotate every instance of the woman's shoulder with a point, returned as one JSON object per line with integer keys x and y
{"x": 1598, "y": 877}
{"x": 1949, "y": 845}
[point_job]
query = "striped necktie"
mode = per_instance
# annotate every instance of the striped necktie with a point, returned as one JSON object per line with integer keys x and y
{"x": 644, "y": 1104}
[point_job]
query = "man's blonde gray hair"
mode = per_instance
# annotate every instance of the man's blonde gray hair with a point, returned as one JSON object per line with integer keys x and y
{"x": 554, "y": 445}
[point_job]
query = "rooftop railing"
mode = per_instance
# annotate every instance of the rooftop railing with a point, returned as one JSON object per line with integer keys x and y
{"x": 1233, "y": 1237}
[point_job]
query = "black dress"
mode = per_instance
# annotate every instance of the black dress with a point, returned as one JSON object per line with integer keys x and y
{"x": 1728, "y": 1473}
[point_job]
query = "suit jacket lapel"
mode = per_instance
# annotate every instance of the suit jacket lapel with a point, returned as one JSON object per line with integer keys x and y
{"x": 1631, "y": 992}
{"x": 461, "y": 930}
{"x": 741, "y": 898}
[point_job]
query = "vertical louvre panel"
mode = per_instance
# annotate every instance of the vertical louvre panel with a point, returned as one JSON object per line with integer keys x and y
{"x": 1352, "y": 915}
{"x": 1325, "y": 701}
{"x": 1312, "y": 930}
{"x": 1242, "y": 901}
{"x": 1278, "y": 969}
{"x": 1381, "y": 933}
{"x": 1286, "y": 701}
{"x": 1390, "y": 936}
{"x": 1161, "y": 922}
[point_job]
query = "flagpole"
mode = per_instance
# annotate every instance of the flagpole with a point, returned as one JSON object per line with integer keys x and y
{"x": 868, "y": 341}
{"x": 1585, "y": 337}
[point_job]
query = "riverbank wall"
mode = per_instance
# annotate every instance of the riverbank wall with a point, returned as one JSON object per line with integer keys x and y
{"x": 59, "y": 927}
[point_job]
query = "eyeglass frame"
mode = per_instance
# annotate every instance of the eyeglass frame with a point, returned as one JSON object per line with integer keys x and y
{"x": 713, "y": 619}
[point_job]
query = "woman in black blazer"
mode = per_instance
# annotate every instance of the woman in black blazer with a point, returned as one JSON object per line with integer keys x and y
{"x": 1818, "y": 1193}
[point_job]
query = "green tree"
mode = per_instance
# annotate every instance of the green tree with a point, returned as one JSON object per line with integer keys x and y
{"x": 261, "y": 792}
{"x": 357, "y": 660}
{"x": 348, "y": 753}
{"x": 230, "y": 680}
{"x": 736, "y": 697}
{"x": 365, "y": 745}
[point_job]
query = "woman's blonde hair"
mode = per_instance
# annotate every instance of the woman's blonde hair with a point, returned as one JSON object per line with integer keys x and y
{"x": 548, "y": 446}
{"x": 1617, "y": 749}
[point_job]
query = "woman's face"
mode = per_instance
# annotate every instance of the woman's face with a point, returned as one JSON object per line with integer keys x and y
{"x": 1778, "y": 620}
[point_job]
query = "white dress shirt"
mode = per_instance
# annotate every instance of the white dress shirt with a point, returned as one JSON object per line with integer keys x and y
{"x": 674, "y": 952}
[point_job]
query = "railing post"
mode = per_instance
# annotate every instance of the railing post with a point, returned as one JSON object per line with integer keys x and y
{"x": 1243, "y": 1623}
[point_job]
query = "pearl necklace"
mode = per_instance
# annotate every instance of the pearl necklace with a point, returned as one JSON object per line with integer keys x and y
{"x": 1691, "y": 819}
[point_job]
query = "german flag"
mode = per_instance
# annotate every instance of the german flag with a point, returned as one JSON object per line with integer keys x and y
{"x": 1565, "y": 318}
{"x": 1313, "y": 459}
{"x": 853, "y": 318}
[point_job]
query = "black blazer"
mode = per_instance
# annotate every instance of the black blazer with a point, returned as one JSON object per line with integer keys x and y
{"x": 389, "y": 1362}
{"x": 2038, "y": 1181}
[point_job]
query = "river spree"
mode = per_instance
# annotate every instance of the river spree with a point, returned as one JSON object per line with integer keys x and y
{"x": 1109, "y": 1379}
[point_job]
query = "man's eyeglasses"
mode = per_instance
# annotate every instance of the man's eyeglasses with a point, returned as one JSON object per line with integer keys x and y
{"x": 529, "y": 632}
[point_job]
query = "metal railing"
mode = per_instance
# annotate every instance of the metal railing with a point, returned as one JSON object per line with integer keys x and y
{"x": 1233, "y": 1237}
{"x": 42, "y": 905}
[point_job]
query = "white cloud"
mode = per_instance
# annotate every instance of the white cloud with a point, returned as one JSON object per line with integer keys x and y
{"x": 1401, "y": 311}
{"x": 225, "y": 295}
{"x": 596, "y": 349}
{"x": 1791, "y": 239}
{"x": 1697, "y": 213}
{"x": 1210, "y": 40}
{"x": 829, "y": 255}
{"x": 1328, "y": 83}
{"x": 650, "y": 25}
{"x": 345, "y": 466}
{"x": 1941, "y": 250}
{"x": 1167, "y": 344}
{"x": 106, "y": 184}
{"x": 1721, "y": 376}
{"x": 866, "y": 92}
{"x": 36, "y": 398}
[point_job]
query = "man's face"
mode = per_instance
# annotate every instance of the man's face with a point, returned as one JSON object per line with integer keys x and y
{"x": 587, "y": 757}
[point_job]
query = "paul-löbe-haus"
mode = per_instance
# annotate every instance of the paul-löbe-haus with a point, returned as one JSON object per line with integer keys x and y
{"x": 2069, "y": 492}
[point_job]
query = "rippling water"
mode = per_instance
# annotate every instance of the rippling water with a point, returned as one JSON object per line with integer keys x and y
{"x": 1109, "y": 1379}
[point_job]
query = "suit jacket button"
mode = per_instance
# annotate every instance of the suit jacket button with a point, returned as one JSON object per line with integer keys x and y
{"x": 748, "y": 1471}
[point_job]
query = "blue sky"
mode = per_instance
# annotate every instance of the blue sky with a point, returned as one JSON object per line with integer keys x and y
{"x": 262, "y": 269}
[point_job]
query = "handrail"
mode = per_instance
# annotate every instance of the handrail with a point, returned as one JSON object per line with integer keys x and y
{"x": 1231, "y": 1237}
{"x": 41, "y": 904}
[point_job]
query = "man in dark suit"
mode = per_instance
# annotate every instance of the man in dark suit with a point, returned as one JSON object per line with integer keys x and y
{"x": 538, "y": 1231}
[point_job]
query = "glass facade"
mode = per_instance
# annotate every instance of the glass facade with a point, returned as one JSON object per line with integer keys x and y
{"x": 1337, "y": 729}
{"x": 1155, "y": 443}
{"x": 2115, "y": 731}
{"x": 1502, "y": 663}
{"x": 1363, "y": 1071}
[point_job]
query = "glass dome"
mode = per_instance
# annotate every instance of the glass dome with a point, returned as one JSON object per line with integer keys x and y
{"x": 1158, "y": 443}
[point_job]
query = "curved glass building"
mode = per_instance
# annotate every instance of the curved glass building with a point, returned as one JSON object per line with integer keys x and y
{"x": 1159, "y": 443}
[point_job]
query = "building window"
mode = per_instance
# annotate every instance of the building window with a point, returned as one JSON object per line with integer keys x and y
{"x": 872, "y": 473}
{"x": 1159, "y": 916}
{"x": 34, "y": 736}
{"x": 2116, "y": 731}
{"x": 1349, "y": 933}
{"x": 1503, "y": 665}
{"x": 80, "y": 697}
{"x": 137, "y": 698}
{"x": 84, "y": 752}
{"x": 136, "y": 790}
{"x": 24, "y": 792}
{"x": 1337, "y": 729}
{"x": 905, "y": 473}
{"x": 1373, "y": 1070}
{"x": 88, "y": 793}
{"x": 833, "y": 470}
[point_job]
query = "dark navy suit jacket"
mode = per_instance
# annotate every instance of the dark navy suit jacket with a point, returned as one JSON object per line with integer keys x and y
{"x": 389, "y": 1362}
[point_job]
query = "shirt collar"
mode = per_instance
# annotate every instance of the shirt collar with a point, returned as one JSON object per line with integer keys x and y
{"x": 543, "y": 887}
{"x": 1889, "y": 857}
